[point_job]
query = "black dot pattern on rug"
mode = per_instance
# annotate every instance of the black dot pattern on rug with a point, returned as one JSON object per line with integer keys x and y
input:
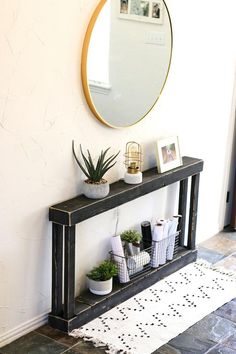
{"x": 187, "y": 278}
{"x": 189, "y": 300}
{"x": 202, "y": 289}
{"x": 123, "y": 340}
{"x": 199, "y": 270}
{"x": 140, "y": 306}
{"x": 142, "y": 328}
{"x": 145, "y": 318}
{"x": 160, "y": 322}
{"x": 217, "y": 281}
{"x": 201, "y": 265}
{"x": 170, "y": 287}
{"x": 155, "y": 293}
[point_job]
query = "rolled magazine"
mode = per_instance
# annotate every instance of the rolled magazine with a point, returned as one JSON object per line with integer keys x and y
{"x": 119, "y": 258}
{"x": 163, "y": 241}
{"x": 173, "y": 225}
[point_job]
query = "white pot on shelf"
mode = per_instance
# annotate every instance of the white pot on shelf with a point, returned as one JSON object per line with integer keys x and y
{"x": 100, "y": 287}
{"x": 133, "y": 178}
{"x": 96, "y": 190}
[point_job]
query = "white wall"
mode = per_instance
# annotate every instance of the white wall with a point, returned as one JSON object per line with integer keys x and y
{"x": 42, "y": 109}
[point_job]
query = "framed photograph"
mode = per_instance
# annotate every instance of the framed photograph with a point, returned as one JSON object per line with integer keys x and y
{"x": 168, "y": 154}
{"x": 141, "y": 10}
{"x": 124, "y": 5}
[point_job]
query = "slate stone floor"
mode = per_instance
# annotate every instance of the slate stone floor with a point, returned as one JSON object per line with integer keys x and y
{"x": 214, "y": 334}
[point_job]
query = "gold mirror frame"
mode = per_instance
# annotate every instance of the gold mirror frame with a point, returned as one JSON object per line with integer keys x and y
{"x": 84, "y": 67}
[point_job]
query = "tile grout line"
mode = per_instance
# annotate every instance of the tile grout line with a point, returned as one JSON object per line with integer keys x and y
{"x": 67, "y": 348}
{"x": 75, "y": 346}
{"x": 220, "y": 343}
{"x": 54, "y": 340}
{"x": 70, "y": 348}
{"x": 209, "y": 350}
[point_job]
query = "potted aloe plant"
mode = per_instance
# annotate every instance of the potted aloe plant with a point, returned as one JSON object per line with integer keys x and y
{"x": 95, "y": 186}
{"x": 132, "y": 240}
{"x": 100, "y": 278}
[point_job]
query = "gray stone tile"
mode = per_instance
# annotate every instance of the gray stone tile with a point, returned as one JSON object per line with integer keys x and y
{"x": 167, "y": 349}
{"x": 228, "y": 263}
{"x": 208, "y": 255}
{"x": 220, "y": 244}
{"x": 220, "y": 349}
{"x": 227, "y": 311}
{"x": 57, "y": 335}
{"x": 33, "y": 343}
{"x": 213, "y": 328}
{"x": 86, "y": 348}
{"x": 230, "y": 342}
{"x": 229, "y": 235}
{"x": 185, "y": 343}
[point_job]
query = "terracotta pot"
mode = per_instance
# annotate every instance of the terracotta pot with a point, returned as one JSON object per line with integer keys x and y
{"x": 100, "y": 287}
{"x": 96, "y": 190}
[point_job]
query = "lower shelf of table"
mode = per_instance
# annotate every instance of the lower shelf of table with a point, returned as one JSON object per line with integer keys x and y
{"x": 89, "y": 306}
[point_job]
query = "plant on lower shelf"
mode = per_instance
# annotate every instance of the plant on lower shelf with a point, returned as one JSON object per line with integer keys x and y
{"x": 100, "y": 277}
{"x": 106, "y": 270}
{"x": 132, "y": 240}
{"x": 95, "y": 186}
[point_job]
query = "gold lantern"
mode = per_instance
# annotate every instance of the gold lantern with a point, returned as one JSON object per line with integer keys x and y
{"x": 133, "y": 159}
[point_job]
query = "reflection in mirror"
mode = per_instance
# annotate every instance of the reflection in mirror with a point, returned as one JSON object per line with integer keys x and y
{"x": 126, "y": 59}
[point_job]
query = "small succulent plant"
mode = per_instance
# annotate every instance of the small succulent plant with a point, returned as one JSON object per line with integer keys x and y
{"x": 105, "y": 271}
{"x": 131, "y": 236}
{"x": 95, "y": 172}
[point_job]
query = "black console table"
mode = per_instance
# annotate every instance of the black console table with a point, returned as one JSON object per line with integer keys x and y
{"x": 73, "y": 312}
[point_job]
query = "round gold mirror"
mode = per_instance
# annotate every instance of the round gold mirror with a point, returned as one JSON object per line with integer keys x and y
{"x": 126, "y": 59}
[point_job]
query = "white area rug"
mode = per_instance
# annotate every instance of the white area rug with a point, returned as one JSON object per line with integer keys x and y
{"x": 151, "y": 318}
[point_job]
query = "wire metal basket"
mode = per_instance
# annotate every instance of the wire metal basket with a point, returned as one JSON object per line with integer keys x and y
{"x": 158, "y": 254}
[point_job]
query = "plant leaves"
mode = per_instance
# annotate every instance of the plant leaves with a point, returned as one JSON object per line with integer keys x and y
{"x": 78, "y": 162}
{"x": 100, "y": 162}
{"x": 90, "y": 168}
{"x": 107, "y": 169}
{"x": 95, "y": 173}
{"x": 107, "y": 163}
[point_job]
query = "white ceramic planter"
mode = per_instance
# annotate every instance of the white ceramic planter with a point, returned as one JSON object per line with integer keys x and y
{"x": 100, "y": 287}
{"x": 133, "y": 178}
{"x": 96, "y": 191}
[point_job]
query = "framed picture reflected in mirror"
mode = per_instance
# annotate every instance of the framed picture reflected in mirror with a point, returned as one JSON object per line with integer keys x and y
{"x": 142, "y": 10}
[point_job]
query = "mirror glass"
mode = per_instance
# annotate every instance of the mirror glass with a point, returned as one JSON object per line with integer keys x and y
{"x": 126, "y": 59}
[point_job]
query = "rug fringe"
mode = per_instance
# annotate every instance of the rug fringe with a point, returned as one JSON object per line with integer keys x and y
{"x": 216, "y": 268}
{"x": 76, "y": 333}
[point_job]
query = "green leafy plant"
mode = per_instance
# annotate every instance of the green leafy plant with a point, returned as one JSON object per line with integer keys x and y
{"x": 131, "y": 236}
{"x": 104, "y": 271}
{"x": 95, "y": 172}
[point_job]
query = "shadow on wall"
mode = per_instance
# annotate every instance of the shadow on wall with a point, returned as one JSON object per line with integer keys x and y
{"x": 230, "y": 214}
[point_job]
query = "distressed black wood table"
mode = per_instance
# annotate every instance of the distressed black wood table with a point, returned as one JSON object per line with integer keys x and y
{"x": 69, "y": 312}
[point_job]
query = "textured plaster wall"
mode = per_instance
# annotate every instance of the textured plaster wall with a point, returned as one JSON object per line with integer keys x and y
{"x": 42, "y": 109}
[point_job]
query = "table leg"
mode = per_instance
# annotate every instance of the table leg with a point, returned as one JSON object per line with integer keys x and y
{"x": 183, "y": 194}
{"x": 69, "y": 272}
{"x": 193, "y": 212}
{"x": 57, "y": 258}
